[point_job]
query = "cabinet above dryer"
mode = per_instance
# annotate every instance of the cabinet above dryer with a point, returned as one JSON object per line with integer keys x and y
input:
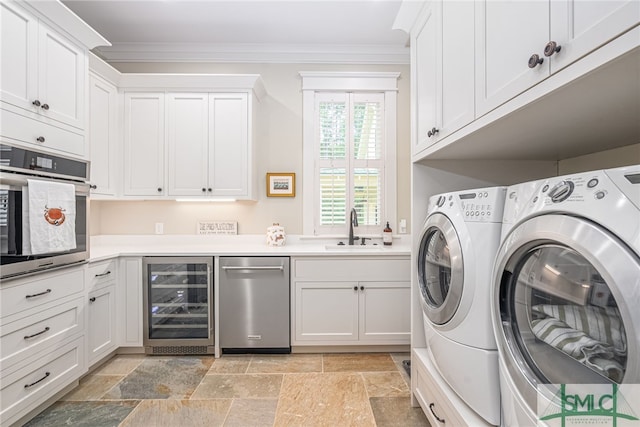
{"x": 543, "y": 80}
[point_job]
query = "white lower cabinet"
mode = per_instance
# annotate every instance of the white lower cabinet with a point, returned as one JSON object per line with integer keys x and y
{"x": 42, "y": 339}
{"x": 25, "y": 389}
{"x": 102, "y": 323}
{"x": 101, "y": 310}
{"x": 129, "y": 303}
{"x": 359, "y": 301}
{"x": 326, "y": 311}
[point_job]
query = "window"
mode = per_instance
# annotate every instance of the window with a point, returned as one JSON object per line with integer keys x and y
{"x": 349, "y": 146}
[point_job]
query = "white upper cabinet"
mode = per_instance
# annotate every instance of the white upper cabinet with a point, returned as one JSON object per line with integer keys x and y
{"x": 62, "y": 73}
{"x": 519, "y": 44}
{"x": 579, "y": 26}
{"x": 144, "y": 142}
{"x": 208, "y": 145}
{"x": 43, "y": 72}
{"x": 443, "y": 71}
{"x": 424, "y": 75}
{"x": 229, "y": 158}
{"x": 103, "y": 136}
{"x": 188, "y": 143}
{"x": 508, "y": 34}
{"x": 43, "y": 76}
{"x": 19, "y": 45}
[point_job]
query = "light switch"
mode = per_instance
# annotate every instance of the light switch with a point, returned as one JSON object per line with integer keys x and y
{"x": 159, "y": 228}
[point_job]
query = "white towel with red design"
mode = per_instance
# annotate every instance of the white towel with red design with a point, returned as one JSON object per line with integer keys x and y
{"x": 49, "y": 217}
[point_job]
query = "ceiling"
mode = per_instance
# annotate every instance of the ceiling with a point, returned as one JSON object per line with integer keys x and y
{"x": 345, "y": 31}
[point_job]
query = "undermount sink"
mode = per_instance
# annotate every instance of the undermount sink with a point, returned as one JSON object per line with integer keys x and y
{"x": 336, "y": 247}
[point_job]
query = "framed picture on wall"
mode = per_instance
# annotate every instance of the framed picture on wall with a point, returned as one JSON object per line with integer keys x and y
{"x": 281, "y": 184}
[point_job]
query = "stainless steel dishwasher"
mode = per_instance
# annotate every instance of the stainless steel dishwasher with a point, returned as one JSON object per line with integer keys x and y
{"x": 254, "y": 305}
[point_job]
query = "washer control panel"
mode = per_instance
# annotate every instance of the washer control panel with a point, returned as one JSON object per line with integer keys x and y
{"x": 484, "y": 205}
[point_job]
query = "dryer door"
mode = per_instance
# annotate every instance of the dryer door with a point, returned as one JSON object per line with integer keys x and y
{"x": 565, "y": 306}
{"x": 440, "y": 269}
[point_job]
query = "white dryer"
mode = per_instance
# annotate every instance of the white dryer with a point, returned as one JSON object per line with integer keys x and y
{"x": 455, "y": 255}
{"x": 567, "y": 288}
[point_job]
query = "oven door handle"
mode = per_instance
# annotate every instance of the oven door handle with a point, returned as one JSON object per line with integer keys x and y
{"x": 15, "y": 182}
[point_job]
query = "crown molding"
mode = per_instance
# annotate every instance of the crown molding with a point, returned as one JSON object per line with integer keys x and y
{"x": 255, "y": 53}
{"x": 54, "y": 12}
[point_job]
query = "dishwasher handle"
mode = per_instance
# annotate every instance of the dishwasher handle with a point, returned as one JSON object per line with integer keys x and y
{"x": 253, "y": 267}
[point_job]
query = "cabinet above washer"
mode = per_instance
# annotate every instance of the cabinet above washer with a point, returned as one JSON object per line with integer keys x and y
{"x": 578, "y": 96}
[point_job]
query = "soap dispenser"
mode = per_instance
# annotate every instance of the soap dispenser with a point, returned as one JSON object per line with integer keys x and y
{"x": 387, "y": 238}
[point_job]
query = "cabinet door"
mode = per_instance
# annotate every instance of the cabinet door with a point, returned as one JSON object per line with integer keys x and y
{"x": 18, "y": 56}
{"x": 102, "y": 323}
{"x": 425, "y": 66}
{"x": 326, "y": 311}
{"x": 129, "y": 308}
{"x": 62, "y": 71}
{"x": 582, "y": 26}
{"x": 103, "y": 129}
{"x": 385, "y": 312}
{"x": 228, "y": 144}
{"x": 507, "y": 35}
{"x": 188, "y": 144}
{"x": 144, "y": 137}
{"x": 456, "y": 82}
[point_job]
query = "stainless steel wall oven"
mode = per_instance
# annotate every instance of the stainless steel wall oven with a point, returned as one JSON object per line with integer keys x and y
{"x": 18, "y": 167}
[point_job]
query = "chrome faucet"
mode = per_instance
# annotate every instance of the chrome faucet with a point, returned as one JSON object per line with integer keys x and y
{"x": 353, "y": 222}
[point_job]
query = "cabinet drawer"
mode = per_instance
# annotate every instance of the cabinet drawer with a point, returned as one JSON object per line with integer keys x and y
{"x": 434, "y": 404}
{"x": 26, "y": 129}
{"x": 39, "y": 332}
{"x": 101, "y": 273}
{"x": 353, "y": 269}
{"x": 440, "y": 404}
{"x": 25, "y": 389}
{"x": 28, "y": 293}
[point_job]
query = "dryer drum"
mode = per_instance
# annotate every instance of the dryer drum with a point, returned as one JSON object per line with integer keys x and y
{"x": 565, "y": 309}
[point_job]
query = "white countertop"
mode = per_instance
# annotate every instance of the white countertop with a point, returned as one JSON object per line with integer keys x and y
{"x": 106, "y": 247}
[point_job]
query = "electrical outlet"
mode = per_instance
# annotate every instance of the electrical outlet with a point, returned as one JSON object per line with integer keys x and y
{"x": 402, "y": 227}
{"x": 159, "y": 228}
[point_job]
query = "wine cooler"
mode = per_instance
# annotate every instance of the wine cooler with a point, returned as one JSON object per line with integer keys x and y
{"x": 178, "y": 305}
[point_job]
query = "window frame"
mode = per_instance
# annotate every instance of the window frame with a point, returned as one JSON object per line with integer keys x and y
{"x": 384, "y": 83}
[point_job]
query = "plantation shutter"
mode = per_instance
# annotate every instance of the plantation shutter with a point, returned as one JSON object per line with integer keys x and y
{"x": 349, "y": 160}
{"x": 367, "y": 165}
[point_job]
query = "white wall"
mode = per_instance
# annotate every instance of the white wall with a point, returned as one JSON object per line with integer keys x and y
{"x": 279, "y": 150}
{"x": 623, "y": 156}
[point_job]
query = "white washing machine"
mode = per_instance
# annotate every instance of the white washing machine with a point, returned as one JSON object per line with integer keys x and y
{"x": 567, "y": 288}
{"x": 455, "y": 255}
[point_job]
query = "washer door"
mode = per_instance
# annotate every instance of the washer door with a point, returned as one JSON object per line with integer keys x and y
{"x": 440, "y": 272}
{"x": 565, "y": 305}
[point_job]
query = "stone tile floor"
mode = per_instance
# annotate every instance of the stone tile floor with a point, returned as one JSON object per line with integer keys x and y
{"x": 363, "y": 389}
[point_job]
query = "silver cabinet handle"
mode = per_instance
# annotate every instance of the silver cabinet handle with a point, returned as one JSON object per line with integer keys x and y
{"x": 254, "y": 267}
